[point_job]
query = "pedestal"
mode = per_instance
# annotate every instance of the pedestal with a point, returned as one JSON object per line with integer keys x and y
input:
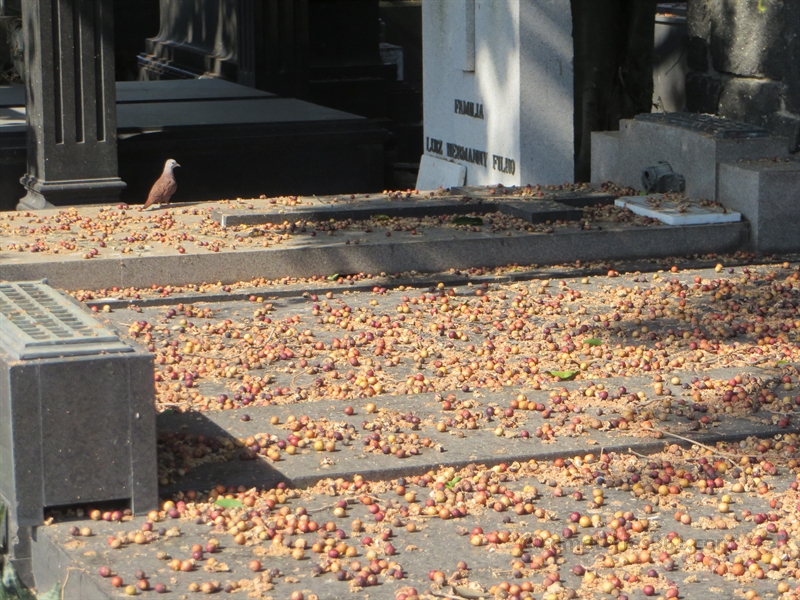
{"x": 77, "y": 414}
{"x": 498, "y": 89}
{"x": 71, "y": 103}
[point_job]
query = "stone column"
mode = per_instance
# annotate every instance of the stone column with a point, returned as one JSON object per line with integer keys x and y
{"x": 71, "y": 103}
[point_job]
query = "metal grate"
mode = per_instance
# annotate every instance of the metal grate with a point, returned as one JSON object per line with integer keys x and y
{"x": 719, "y": 127}
{"x": 36, "y": 321}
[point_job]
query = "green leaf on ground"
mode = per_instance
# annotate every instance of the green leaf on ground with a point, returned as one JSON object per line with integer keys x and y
{"x": 381, "y": 217}
{"x": 594, "y": 342}
{"x": 229, "y": 503}
{"x": 53, "y": 594}
{"x": 780, "y": 363}
{"x": 333, "y": 277}
{"x": 452, "y": 483}
{"x": 564, "y": 375}
{"x": 474, "y": 221}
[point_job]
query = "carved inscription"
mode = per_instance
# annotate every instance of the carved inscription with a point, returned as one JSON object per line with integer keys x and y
{"x": 503, "y": 164}
{"x": 433, "y": 145}
{"x": 457, "y": 152}
{"x": 470, "y": 109}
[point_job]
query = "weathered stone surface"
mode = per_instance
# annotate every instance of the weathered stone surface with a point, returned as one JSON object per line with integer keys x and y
{"x": 52, "y": 451}
{"x": 750, "y": 100}
{"x": 697, "y": 54}
{"x": 753, "y": 49}
{"x": 693, "y": 152}
{"x": 702, "y": 93}
{"x": 766, "y": 193}
{"x": 72, "y": 130}
{"x": 746, "y": 41}
{"x": 788, "y": 126}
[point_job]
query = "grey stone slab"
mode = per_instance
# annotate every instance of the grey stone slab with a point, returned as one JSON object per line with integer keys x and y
{"x": 27, "y": 494}
{"x": 434, "y": 252}
{"x": 82, "y": 462}
{"x": 144, "y": 478}
{"x": 693, "y": 152}
{"x": 171, "y": 90}
{"x": 24, "y": 570}
{"x": 480, "y": 446}
{"x": 766, "y": 193}
{"x": 165, "y": 116}
{"x": 588, "y": 196}
{"x": 541, "y": 211}
{"x": 437, "y": 544}
{"x": 51, "y": 565}
{"x": 532, "y": 210}
{"x": 167, "y": 90}
{"x": 356, "y": 211}
{"x": 605, "y": 155}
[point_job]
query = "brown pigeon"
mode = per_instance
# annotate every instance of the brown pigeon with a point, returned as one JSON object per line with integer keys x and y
{"x": 166, "y": 185}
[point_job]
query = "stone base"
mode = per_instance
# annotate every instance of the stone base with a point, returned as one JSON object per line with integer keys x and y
{"x": 695, "y": 153}
{"x": 47, "y": 194}
{"x": 766, "y": 193}
{"x": 51, "y": 452}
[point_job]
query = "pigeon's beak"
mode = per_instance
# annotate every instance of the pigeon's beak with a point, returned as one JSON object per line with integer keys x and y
{"x": 177, "y": 165}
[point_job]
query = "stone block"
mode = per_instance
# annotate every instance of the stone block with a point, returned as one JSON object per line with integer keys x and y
{"x": 750, "y": 100}
{"x": 697, "y": 54}
{"x": 694, "y": 145}
{"x": 787, "y": 126}
{"x": 498, "y": 84}
{"x": 605, "y": 155}
{"x": 746, "y": 41}
{"x": 702, "y": 93}
{"x": 766, "y": 193}
{"x": 77, "y": 414}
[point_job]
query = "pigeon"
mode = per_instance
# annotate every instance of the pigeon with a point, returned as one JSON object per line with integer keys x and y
{"x": 165, "y": 186}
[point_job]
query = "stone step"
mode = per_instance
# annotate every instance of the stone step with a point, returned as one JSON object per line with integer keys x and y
{"x": 434, "y": 249}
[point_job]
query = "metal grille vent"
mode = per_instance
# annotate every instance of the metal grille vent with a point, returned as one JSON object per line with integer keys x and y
{"x": 719, "y": 127}
{"x": 36, "y": 321}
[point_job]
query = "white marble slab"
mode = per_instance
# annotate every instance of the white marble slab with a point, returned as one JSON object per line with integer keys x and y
{"x": 435, "y": 173}
{"x": 498, "y": 88}
{"x": 674, "y": 212}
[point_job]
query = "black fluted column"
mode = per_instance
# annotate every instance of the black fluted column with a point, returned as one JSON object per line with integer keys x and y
{"x": 71, "y": 103}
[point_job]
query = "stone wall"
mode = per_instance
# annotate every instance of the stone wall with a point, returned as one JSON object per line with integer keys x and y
{"x": 743, "y": 58}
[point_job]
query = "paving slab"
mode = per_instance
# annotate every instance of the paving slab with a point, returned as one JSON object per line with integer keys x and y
{"x": 678, "y": 212}
{"x": 676, "y": 315}
{"x": 166, "y": 90}
{"x": 531, "y": 211}
{"x": 434, "y": 544}
{"x": 457, "y": 447}
{"x": 353, "y": 251}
